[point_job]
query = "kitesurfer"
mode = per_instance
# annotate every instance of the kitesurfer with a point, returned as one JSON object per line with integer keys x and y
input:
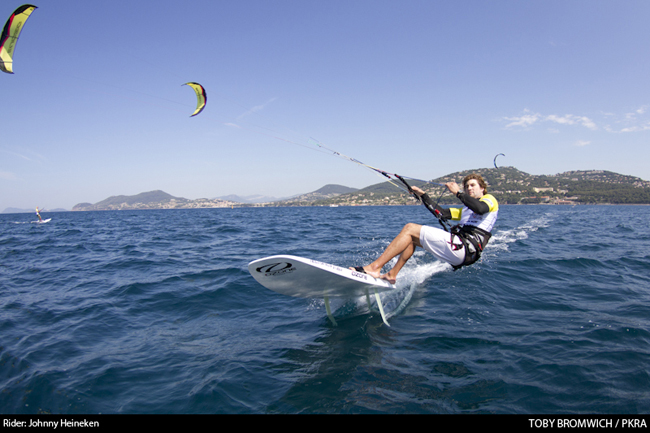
{"x": 462, "y": 245}
{"x": 38, "y": 214}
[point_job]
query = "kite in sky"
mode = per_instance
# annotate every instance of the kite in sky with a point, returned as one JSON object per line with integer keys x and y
{"x": 495, "y": 160}
{"x": 10, "y": 34}
{"x": 201, "y": 97}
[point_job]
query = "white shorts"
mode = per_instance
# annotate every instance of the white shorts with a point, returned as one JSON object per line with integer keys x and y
{"x": 438, "y": 243}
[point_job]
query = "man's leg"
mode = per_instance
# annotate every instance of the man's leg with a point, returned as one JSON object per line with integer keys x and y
{"x": 403, "y": 245}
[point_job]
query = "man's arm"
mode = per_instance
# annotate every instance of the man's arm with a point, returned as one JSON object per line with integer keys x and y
{"x": 472, "y": 203}
{"x": 444, "y": 213}
{"x": 476, "y": 205}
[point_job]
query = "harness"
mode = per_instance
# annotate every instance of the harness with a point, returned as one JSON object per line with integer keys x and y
{"x": 473, "y": 239}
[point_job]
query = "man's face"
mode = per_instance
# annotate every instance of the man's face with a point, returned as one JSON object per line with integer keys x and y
{"x": 473, "y": 188}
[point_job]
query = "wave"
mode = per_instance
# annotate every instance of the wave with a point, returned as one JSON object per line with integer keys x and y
{"x": 502, "y": 238}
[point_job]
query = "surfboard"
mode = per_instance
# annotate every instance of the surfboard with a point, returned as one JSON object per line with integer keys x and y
{"x": 43, "y": 222}
{"x": 308, "y": 278}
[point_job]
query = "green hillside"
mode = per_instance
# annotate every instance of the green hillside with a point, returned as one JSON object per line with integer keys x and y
{"x": 512, "y": 186}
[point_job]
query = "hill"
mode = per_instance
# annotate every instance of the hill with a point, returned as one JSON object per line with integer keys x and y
{"x": 328, "y": 192}
{"x": 151, "y": 200}
{"x": 325, "y": 192}
{"x": 512, "y": 186}
{"x": 162, "y": 200}
{"x": 507, "y": 184}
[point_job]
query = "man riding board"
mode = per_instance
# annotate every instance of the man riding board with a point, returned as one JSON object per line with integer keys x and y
{"x": 462, "y": 245}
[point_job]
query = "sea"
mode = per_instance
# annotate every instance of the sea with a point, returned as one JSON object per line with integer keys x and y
{"x": 155, "y": 312}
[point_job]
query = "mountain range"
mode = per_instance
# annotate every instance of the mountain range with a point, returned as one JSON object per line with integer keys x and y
{"x": 508, "y": 184}
{"x": 161, "y": 200}
{"x": 324, "y": 192}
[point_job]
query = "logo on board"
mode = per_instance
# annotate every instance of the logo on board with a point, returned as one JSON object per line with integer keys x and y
{"x": 272, "y": 269}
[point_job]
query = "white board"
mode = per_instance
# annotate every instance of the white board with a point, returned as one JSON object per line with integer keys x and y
{"x": 307, "y": 278}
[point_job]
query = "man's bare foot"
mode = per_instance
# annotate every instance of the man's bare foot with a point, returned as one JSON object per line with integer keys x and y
{"x": 387, "y": 278}
{"x": 375, "y": 274}
{"x": 365, "y": 270}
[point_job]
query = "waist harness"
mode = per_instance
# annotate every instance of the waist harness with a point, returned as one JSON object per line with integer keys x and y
{"x": 473, "y": 239}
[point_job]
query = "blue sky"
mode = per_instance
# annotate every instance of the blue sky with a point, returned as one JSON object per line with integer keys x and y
{"x": 96, "y": 106}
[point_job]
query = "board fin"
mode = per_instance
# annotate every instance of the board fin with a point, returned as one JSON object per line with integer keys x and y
{"x": 328, "y": 309}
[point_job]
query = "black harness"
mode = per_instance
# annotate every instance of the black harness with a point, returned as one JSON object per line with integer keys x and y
{"x": 473, "y": 239}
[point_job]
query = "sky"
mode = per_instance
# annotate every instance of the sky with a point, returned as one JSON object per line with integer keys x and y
{"x": 96, "y": 106}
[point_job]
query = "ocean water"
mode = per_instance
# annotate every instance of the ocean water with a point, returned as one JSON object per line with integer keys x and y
{"x": 154, "y": 312}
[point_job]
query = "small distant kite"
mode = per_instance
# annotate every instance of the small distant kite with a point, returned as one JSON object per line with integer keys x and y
{"x": 9, "y": 36}
{"x": 495, "y": 160}
{"x": 201, "y": 97}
